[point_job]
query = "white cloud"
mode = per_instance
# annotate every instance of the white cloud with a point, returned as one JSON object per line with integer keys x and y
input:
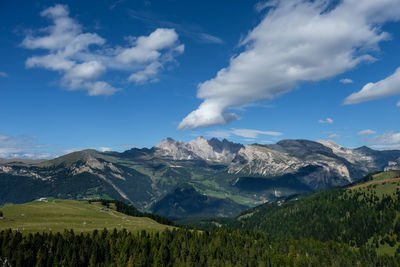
{"x": 145, "y": 75}
{"x": 21, "y": 147}
{"x": 398, "y": 104}
{"x": 334, "y": 136}
{"x": 297, "y": 41}
{"x": 250, "y": 133}
{"x": 82, "y": 58}
{"x": 346, "y": 80}
{"x": 388, "y": 140}
{"x": 366, "y": 132}
{"x": 384, "y": 88}
{"x": 100, "y": 88}
{"x": 244, "y": 133}
{"x": 266, "y": 142}
{"x": 3, "y": 74}
{"x": 208, "y": 38}
{"x": 326, "y": 121}
{"x": 147, "y": 48}
{"x": 104, "y": 149}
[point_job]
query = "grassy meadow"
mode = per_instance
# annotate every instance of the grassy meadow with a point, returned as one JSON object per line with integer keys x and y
{"x": 81, "y": 216}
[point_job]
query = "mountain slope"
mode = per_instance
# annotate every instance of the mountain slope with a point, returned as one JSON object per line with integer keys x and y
{"x": 185, "y": 201}
{"x": 231, "y": 176}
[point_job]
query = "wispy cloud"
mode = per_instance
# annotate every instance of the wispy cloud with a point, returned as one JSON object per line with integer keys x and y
{"x": 334, "y": 136}
{"x": 346, "y": 81}
{"x": 260, "y": 6}
{"x": 104, "y": 149}
{"x": 366, "y": 132}
{"x": 248, "y": 134}
{"x": 116, "y": 3}
{"x": 372, "y": 91}
{"x": 194, "y": 32}
{"x": 388, "y": 140}
{"x": 82, "y": 58}
{"x": 326, "y": 121}
{"x": 22, "y": 146}
{"x": 3, "y": 74}
{"x": 297, "y": 41}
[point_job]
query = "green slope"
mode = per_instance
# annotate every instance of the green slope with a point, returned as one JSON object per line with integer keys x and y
{"x": 57, "y": 215}
{"x": 365, "y": 214}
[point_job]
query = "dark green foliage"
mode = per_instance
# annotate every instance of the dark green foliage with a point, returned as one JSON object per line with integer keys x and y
{"x": 177, "y": 248}
{"x": 185, "y": 201}
{"x": 1, "y": 213}
{"x": 132, "y": 211}
{"x": 349, "y": 216}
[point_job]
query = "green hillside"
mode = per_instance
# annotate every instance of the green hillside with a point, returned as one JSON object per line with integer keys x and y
{"x": 81, "y": 216}
{"x": 365, "y": 214}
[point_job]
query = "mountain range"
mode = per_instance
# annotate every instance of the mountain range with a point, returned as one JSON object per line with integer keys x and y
{"x": 200, "y": 178}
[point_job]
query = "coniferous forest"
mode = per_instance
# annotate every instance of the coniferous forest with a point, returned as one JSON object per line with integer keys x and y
{"x": 178, "y": 248}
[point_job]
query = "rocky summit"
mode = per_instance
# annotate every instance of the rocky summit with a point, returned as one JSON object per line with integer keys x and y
{"x": 198, "y": 178}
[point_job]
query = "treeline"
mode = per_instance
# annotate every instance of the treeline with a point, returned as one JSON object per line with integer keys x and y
{"x": 354, "y": 217}
{"x": 132, "y": 211}
{"x": 177, "y": 248}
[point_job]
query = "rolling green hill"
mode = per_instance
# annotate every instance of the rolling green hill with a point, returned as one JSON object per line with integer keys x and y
{"x": 81, "y": 216}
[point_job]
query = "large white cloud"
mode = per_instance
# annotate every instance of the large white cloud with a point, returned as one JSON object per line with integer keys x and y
{"x": 384, "y": 88}
{"x": 296, "y": 41}
{"x": 82, "y": 59}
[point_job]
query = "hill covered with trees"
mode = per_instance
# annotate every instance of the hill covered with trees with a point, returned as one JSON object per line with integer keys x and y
{"x": 364, "y": 214}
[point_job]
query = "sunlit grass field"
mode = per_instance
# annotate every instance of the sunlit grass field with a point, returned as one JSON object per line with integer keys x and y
{"x": 81, "y": 216}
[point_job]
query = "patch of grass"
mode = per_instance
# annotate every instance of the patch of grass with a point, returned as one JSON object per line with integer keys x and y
{"x": 386, "y": 175}
{"x": 380, "y": 189}
{"x": 213, "y": 189}
{"x": 57, "y": 215}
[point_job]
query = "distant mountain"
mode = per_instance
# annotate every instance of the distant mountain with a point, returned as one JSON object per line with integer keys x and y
{"x": 218, "y": 177}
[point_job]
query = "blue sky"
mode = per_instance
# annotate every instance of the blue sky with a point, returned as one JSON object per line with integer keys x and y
{"x": 118, "y": 74}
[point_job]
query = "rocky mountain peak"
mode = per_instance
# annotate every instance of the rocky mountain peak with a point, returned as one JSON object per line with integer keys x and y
{"x": 200, "y": 148}
{"x": 172, "y": 149}
{"x": 365, "y": 150}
